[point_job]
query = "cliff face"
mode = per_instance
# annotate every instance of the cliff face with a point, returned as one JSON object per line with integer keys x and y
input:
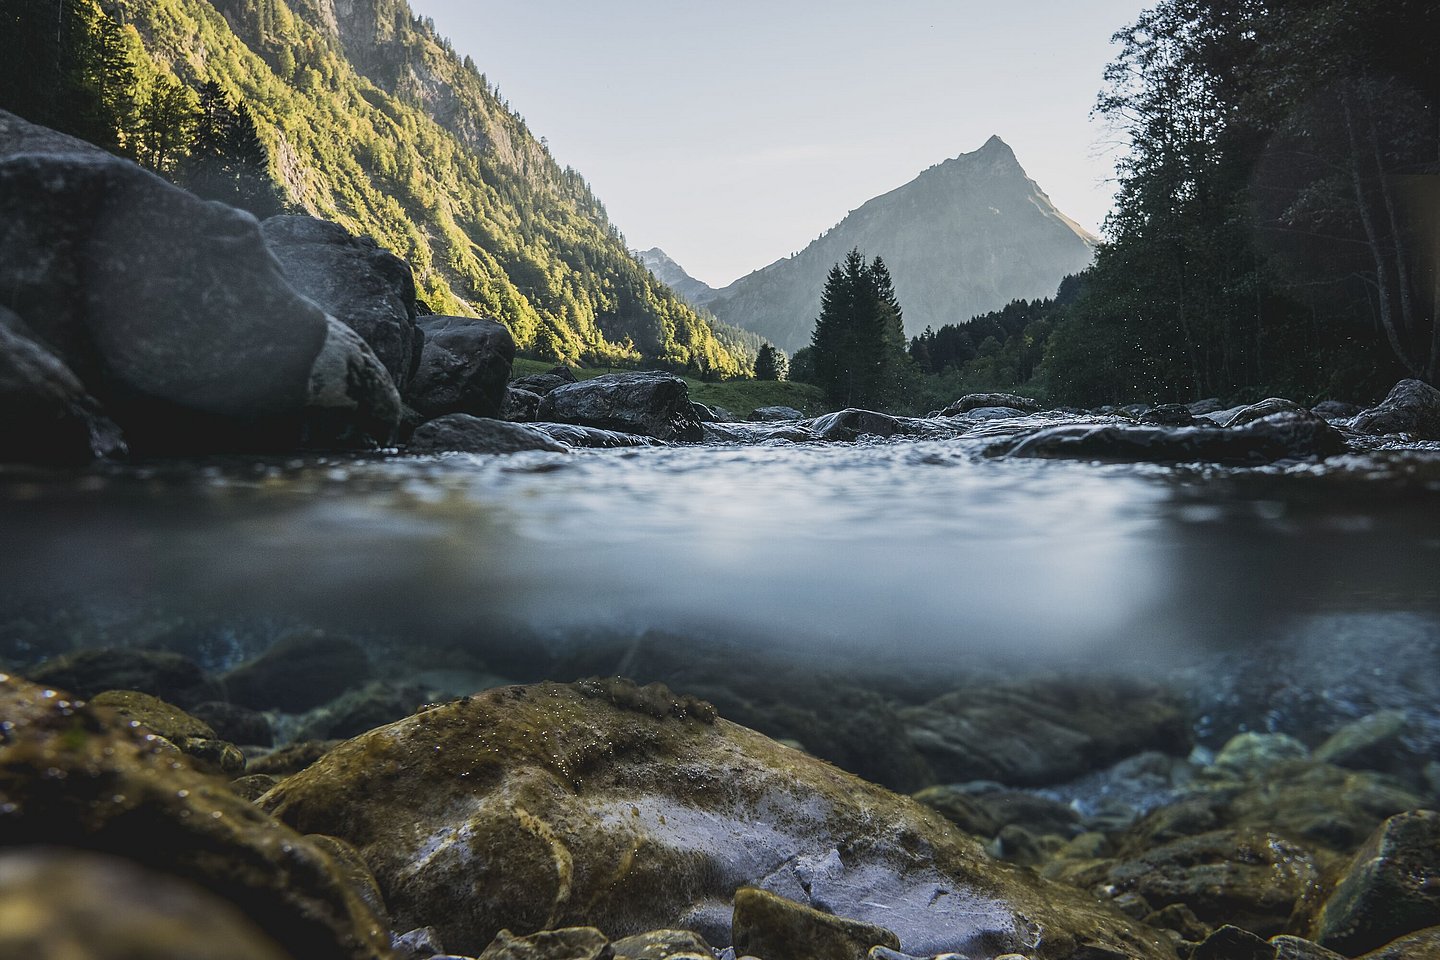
{"x": 697, "y": 293}
{"x": 965, "y": 237}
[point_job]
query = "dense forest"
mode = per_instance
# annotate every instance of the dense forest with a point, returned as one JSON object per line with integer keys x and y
{"x": 1270, "y": 234}
{"x": 366, "y": 117}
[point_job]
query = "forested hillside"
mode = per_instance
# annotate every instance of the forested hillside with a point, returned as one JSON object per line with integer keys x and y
{"x": 364, "y": 115}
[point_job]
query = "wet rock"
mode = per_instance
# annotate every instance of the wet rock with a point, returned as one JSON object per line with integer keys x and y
{"x": 350, "y": 867}
{"x": 1294, "y": 948}
{"x": 1424, "y": 945}
{"x": 961, "y": 809}
{"x": 45, "y": 414}
{"x": 851, "y": 424}
{"x": 1375, "y": 742}
{"x": 192, "y": 737}
{"x": 1265, "y": 408}
{"x": 463, "y": 367}
{"x": 85, "y": 673}
{"x": 75, "y": 776}
{"x": 754, "y": 432}
{"x": 373, "y": 705}
{"x": 538, "y": 807}
{"x": 234, "y": 723}
{"x": 775, "y": 414}
{"x": 1412, "y": 407}
{"x": 291, "y": 758}
{"x": 356, "y": 281}
{"x": 571, "y": 943}
{"x": 1016, "y": 844}
{"x": 302, "y": 670}
{"x": 543, "y": 383}
{"x": 661, "y": 945}
{"x": 975, "y": 401}
{"x": 253, "y": 786}
{"x": 1208, "y": 405}
{"x": 462, "y": 433}
{"x": 1168, "y": 415}
{"x": 1044, "y": 731}
{"x": 520, "y": 406}
{"x": 421, "y": 943}
{"x": 1233, "y": 943}
{"x": 1181, "y": 919}
{"x": 702, "y": 413}
{"x": 82, "y": 906}
{"x": 767, "y": 925}
{"x": 723, "y": 414}
{"x": 1280, "y": 436}
{"x": 172, "y": 311}
{"x": 574, "y": 435}
{"x": 651, "y": 404}
{"x": 1250, "y": 879}
{"x": 994, "y": 413}
{"x": 1251, "y": 754}
{"x": 1391, "y": 888}
{"x": 1337, "y": 410}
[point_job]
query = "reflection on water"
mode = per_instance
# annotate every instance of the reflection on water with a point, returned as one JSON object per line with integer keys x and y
{"x": 908, "y": 555}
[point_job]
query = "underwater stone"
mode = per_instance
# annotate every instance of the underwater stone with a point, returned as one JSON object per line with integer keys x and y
{"x": 571, "y": 943}
{"x": 1392, "y": 887}
{"x": 630, "y": 809}
{"x": 302, "y": 670}
{"x": 662, "y": 945}
{"x": 1250, "y": 754}
{"x": 1412, "y": 407}
{"x": 768, "y": 925}
{"x": 77, "y": 776}
{"x": 1424, "y": 945}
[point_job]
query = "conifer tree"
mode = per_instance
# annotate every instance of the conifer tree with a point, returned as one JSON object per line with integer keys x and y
{"x": 770, "y": 363}
{"x": 858, "y": 342}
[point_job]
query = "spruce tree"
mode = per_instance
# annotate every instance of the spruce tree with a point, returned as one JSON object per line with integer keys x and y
{"x": 859, "y": 341}
{"x": 770, "y": 363}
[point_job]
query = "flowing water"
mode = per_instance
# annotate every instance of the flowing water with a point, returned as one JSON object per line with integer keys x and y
{"x": 922, "y": 560}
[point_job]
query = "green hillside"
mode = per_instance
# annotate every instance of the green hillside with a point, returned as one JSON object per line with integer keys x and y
{"x": 372, "y": 120}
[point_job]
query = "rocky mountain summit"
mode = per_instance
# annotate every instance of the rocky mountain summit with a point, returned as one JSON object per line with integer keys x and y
{"x": 965, "y": 237}
{"x": 667, "y": 271}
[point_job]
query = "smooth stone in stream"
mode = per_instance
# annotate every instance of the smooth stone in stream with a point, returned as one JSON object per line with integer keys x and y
{"x": 768, "y": 925}
{"x": 976, "y": 401}
{"x": 1391, "y": 888}
{"x": 463, "y": 367}
{"x": 649, "y": 403}
{"x": 1411, "y": 407}
{"x": 602, "y": 803}
{"x": 462, "y": 433}
{"x": 1280, "y": 436}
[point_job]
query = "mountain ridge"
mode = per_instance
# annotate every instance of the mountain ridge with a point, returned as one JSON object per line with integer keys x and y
{"x": 948, "y": 263}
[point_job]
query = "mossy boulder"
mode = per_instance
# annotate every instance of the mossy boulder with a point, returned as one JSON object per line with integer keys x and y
{"x": 662, "y": 945}
{"x": 86, "y": 673}
{"x": 571, "y": 943}
{"x": 302, "y": 670}
{"x": 192, "y": 737}
{"x": 626, "y": 808}
{"x": 79, "y": 776}
{"x": 81, "y": 906}
{"x": 1424, "y": 945}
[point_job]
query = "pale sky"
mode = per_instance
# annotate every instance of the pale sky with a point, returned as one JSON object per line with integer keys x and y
{"x": 733, "y": 133}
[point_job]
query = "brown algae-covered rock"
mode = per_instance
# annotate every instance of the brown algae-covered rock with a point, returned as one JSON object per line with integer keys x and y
{"x": 767, "y": 925}
{"x": 77, "y": 776}
{"x": 192, "y": 737}
{"x": 1391, "y": 888}
{"x": 606, "y": 804}
{"x": 571, "y": 943}
{"x": 661, "y": 945}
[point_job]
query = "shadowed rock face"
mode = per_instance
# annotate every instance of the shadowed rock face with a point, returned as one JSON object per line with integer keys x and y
{"x": 463, "y": 367}
{"x": 172, "y": 311}
{"x": 628, "y": 808}
{"x": 651, "y": 404}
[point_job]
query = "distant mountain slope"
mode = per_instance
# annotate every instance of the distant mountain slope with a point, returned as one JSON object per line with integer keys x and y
{"x": 697, "y": 293}
{"x": 965, "y": 237}
{"x": 372, "y": 120}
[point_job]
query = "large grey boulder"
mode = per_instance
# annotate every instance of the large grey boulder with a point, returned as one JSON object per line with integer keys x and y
{"x": 171, "y": 310}
{"x": 650, "y": 403}
{"x": 853, "y": 423}
{"x": 462, "y": 433}
{"x": 356, "y": 281}
{"x": 463, "y": 367}
{"x": 1412, "y": 407}
{"x": 975, "y": 401}
{"x": 775, "y": 414}
{"x": 574, "y": 435}
{"x": 45, "y": 414}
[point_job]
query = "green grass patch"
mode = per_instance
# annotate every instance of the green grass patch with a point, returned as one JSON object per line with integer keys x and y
{"x": 740, "y": 397}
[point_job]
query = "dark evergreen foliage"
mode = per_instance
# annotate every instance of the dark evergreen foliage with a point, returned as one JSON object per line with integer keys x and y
{"x": 771, "y": 363}
{"x": 858, "y": 343}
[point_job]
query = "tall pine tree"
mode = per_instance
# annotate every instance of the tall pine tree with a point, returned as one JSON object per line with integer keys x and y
{"x": 858, "y": 343}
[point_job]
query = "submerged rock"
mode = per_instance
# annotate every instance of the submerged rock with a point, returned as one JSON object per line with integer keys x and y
{"x": 356, "y": 281}
{"x": 1412, "y": 407}
{"x": 86, "y": 673}
{"x": 302, "y": 670}
{"x": 650, "y": 403}
{"x": 571, "y": 943}
{"x": 192, "y": 737}
{"x": 172, "y": 311}
{"x": 574, "y": 435}
{"x": 463, "y": 367}
{"x": 767, "y": 925}
{"x": 81, "y": 906}
{"x": 1337, "y": 410}
{"x": 1044, "y": 731}
{"x": 1424, "y": 945}
{"x": 662, "y": 944}
{"x": 462, "y": 433}
{"x": 1251, "y": 754}
{"x": 1265, "y": 408}
{"x": 45, "y": 414}
{"x": 234, "y": 723}
{"x": 77, "y": 776}
{"x": 604, "y": 803}
{"x": 1374, "y": 742}
{"x": 1391, "y": 888}
{"x": 1168, "y": 415}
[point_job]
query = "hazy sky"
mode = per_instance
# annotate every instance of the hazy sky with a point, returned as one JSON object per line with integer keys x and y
{"x": 733, "y": 132}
